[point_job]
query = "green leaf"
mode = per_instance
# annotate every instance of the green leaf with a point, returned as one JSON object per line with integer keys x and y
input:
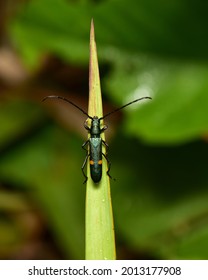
{"x": 100, "y": 240}
{"x": 177, "y": 112}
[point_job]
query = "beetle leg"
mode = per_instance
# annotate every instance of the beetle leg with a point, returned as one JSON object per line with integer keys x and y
{"x": 83, "y": 166}
{"x": 85, "y": 161}
{"x": 106, "y": 145}
{"x": 109, "y": 166}
{"x": 86, "y": 126}
{"x": 84, "y": 144}
{"x": 103, "y": 128}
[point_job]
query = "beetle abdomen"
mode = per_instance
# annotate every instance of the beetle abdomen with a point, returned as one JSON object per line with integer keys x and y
{"x": 96, "y": 159}
{"x": 96, "y": 170}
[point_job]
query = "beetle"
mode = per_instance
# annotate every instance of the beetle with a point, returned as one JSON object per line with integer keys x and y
{"x": 95, "y": 141}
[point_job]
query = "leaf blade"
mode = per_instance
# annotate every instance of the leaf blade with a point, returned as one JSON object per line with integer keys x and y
{"x": 100, "y": 240}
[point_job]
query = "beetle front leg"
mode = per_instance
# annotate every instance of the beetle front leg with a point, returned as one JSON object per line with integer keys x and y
{"x": 86, "y": 126}
{"x": 103, "y": 128}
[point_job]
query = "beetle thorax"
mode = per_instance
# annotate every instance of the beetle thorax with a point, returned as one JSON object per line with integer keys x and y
{"x": 95, "y": 127}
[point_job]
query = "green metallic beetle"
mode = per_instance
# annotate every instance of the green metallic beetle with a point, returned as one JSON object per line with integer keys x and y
{"x": 95, "y": 141}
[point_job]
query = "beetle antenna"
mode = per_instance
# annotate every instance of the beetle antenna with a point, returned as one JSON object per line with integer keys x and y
{"x": 118, "y": 109}
{"x": 65, "y": 99}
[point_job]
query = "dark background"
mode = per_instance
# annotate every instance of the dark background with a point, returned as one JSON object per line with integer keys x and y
{"x": 158, "y": 148}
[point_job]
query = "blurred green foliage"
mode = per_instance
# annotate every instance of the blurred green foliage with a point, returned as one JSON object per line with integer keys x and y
{"x": 159, "y": 153}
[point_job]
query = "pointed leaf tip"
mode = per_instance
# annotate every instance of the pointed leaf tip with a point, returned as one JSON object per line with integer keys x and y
{"x": 92, "y": 31}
